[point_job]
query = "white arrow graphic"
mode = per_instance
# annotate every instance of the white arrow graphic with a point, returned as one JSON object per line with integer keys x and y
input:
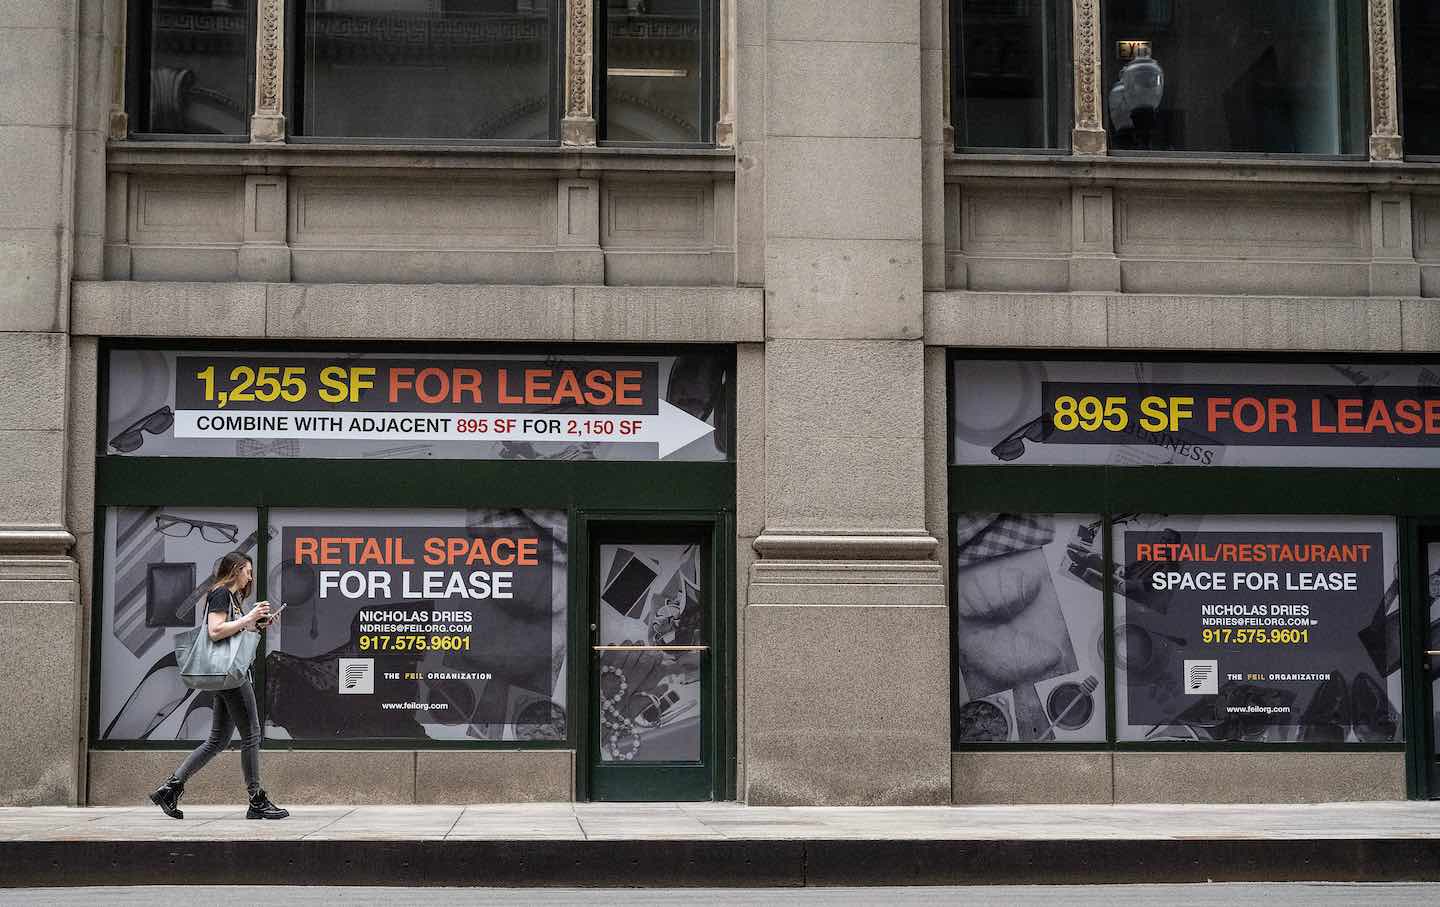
{"x": 670, "y": 429}
{"x": 673, "y": 429}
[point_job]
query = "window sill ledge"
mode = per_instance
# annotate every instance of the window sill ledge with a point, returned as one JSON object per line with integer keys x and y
{"x": 1083, "y": 170}
{"x": 211, "y": 157}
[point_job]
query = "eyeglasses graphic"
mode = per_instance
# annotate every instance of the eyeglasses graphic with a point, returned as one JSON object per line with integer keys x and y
{"x": 1012, "y": 447}
{"x": 177, "y": 527}
{"x": 155, "y": 423}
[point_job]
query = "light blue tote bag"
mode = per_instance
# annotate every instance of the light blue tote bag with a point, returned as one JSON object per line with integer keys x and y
{"x": 206, "y": 664}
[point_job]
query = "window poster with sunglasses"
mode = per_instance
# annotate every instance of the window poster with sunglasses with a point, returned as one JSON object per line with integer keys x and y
{"x": 183, "y": 403}
{"x": 158, "y": 565}
{"x": 417, "y": 624}
{"x": 1373, "y": 414}
{"x": 1028, "y": 614}
{"x": 1259, "y": 629}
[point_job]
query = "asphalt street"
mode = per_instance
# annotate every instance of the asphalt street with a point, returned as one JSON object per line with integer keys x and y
{"x": 1272, "y": 895}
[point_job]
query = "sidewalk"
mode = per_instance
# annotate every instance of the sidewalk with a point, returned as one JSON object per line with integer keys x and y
{"x": 721, "y": 844}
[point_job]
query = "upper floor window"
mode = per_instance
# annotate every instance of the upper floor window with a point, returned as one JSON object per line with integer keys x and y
{"x": 657, "y": 72}
{"x": 1418, "y": 31}
{"x": 1012, "y": 74}
{"x": 439, "y": 70}
{"x": 1250, "y": 76}
{"x": 198, "y": 67}
{"x": 429, "y": 69}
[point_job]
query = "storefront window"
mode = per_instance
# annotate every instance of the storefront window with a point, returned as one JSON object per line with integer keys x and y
{"x": 1417, "y": 31}
{"x": 194, "y": 75}
{"x": 1029, "y": 619}
{"x": 1209, "y": 629}
{"x": 411, "y": 514}
{"x": 158, "y": 565}
{"x": 1012, "y": 74}
{"x": 1256, "y": 629}
{"x": 457, "y": 69}
{"x": 655, "y": 71}
{"x": 1251, "y": 76}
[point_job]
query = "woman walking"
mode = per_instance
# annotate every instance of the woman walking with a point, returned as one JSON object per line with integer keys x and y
{"x": 234, "y": 707}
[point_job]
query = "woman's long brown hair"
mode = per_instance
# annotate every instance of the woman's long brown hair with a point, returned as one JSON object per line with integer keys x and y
{"x": 228, "y": 573}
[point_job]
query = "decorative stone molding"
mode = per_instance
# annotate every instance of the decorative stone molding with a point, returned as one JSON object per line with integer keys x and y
{"x": 268, "y": 122}
{"x": 1088, "y": 136}
{"x": 1385, "y": 143}
{"x": 823, "y": 544}
{"x": 578, "y": 126}
{"x": 36, "y": 541}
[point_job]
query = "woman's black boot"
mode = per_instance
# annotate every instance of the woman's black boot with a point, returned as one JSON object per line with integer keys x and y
{"x": 262, "y": 808}
{"x": 167, "y": 797}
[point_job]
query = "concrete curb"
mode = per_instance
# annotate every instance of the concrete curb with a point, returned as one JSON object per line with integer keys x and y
{"x": 730, "y": 863}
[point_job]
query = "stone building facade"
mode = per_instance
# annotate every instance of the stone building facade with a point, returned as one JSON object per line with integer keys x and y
{"x": 812, "y": 218}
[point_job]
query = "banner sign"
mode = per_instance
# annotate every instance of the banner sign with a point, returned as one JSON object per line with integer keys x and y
{"x": 1257, "y": 628}
{"x": 422, "y": 624}
{"x": 173, "y": 403}
{"x": 1195, "y": 414}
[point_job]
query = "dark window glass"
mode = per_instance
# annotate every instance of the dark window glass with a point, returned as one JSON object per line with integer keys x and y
{"x": 1264, "y": 76}
{"x": 1012, "y": 74}
{"x": 197, "y": 70}
{"x": 429, "y": 69}
{"x": 1418, "y": 33}
{"x": 655, "y": 84}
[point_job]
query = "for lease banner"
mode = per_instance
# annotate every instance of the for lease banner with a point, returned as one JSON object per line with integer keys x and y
{"x": 1195, "y": 414}
{"x": 176, "y": 403}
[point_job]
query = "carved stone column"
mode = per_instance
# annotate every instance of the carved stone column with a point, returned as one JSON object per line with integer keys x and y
{"x": 725, "y": 125}
{"x": 119, "y": 119}
{"x": 1385, "y": 144}
{"x": 268, "y": 123}
{"x": 578, "y": 126}
{"x": 948, "y": 89}
{"x": 1088, "y": 136}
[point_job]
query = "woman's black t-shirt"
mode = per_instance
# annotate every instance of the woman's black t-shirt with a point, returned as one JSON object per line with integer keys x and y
{"x": 221, "y": 601}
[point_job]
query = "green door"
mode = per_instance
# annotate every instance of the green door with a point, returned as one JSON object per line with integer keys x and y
{"x": 651, "y": 593}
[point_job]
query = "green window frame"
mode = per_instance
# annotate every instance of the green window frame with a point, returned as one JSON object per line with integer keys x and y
{"x": 1408, "y": 495}
{"x": 659, "y": 490}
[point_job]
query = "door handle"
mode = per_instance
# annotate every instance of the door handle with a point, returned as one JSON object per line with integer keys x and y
{"x": 1432, "y": 653}
{"x": 655, "y": 648}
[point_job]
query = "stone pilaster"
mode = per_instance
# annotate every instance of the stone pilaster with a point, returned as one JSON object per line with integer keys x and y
{"x": 1094, "y": 266}
{"x": 1393, "y": 268}
{"x": 846, "y": 640}
{"x": 578, "y": 125}
{"x": 1088, "y": 136}
{"x": 43, "y": 150}
{"x": 268, "y": 122}
{"x": 1385, "y": 144}
{"x": 264, "y": 253}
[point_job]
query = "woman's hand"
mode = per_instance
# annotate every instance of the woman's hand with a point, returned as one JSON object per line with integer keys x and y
{"x": 261, "y": 612}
